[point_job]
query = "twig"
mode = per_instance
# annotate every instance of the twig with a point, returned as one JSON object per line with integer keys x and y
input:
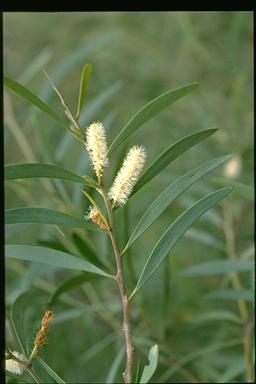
{"x": 127, "y": 374}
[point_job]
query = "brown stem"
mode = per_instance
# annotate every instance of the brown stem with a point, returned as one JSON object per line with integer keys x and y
{"x": 127, "y": 374}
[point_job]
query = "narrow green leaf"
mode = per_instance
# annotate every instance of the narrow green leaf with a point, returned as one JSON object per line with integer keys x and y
{"x": 28, "y": 95}
{"x": 50, "y": 371}
{"x": 150, "y": 110}
{"x": 150, "y": 369}
{"x": 175, "y": 232}
{"x": 231, "y": 294}
{"x": 87, "y": 69}
{"x": 52, "y": 257}
{"x": 170, "y": 154}
{"x": 138, "y": 372}
{"x": 241, "y": 189}
{"x": 218, "y": 267}
{"x": 218, "y": 314}
{"x": 71, "y": 283}
{"x": 86, "y": 251}
{"x": 45, "y": 216}
{"x": 174, "y": 190}
{"x": 38, "y": 170}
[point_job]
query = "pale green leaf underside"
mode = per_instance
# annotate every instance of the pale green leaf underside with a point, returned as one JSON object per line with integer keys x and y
{"x": 29, "y": 96}
{"x": 52, "y": 257}
{"x": 39, "y": 170}
{"x": 45, "y": 216}
{"x": 170, "y": 154}
{"x": 150, "y": 369}
{"x": 175, "y": 232}
{"x": 174, "y": 190}
{"x": 150, "y": 110}
{"x": 218, "y": 267}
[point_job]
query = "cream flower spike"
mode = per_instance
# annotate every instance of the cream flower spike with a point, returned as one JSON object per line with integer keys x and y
{"x": 128, "y": 175}
{"x": 96, "y": 145}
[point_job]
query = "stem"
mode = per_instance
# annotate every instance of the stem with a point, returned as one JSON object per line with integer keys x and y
{"x": 127, "y": 374}
{"x": 33, "y": 374}
{"x": 235, "y": 280}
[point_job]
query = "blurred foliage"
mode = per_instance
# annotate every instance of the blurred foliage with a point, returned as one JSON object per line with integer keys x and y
{"x": 135, "y": 56}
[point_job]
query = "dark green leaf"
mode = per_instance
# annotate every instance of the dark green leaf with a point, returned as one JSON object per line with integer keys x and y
{"x": 170, "y": 154}
{"x": 45, "y": 216}
{"x": 87, "y": 69}
{"x": 175, "y": 232}
{"x": 37, "y": 170}
{"x": 150, "y": 369}
{"x": 28, "y": 95}
{"x": 71, "y": 283}
{"x": 150, "y": 110}
{"x": 174, "y": 190}
{"x": 218, "y": 267}
{"x": 86, "y": 251}
{"x": 138, "y": 372}
{"x": 52, "y": 257}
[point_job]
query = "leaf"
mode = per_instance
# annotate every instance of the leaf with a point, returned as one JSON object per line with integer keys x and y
{"x": 218, "y": 314}
{"x": 241, "y": 189}
{"x": 149, "y": 369}
{"x": 174, "y": 190}
{"x": 45, "y": 216}
{"x": 50, "y": 371}
{"x": 52, "y": 257}
{"x": 71, "y": 283}
{"x": 87, "y": 69}
{"x": 175, "y": 232}
{"x": 29, "y": 96}
{"x": 150, "y": 110}
{"x": 86, "y": 251}
{"x": 38, "y": 170}
{"x": 170, "y": 154}
{"x": 218, "y": 267}
{"x": 231, "y": 294}
{"x": 138, "y": 372}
